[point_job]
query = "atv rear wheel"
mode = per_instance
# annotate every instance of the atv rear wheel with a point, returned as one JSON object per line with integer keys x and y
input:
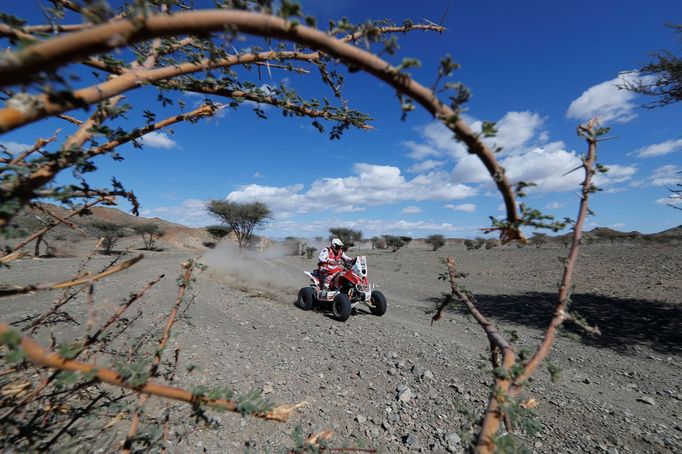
{"x": 306, "y": 298}
{"x": 341, "y": 307}
{"x": 378, "y": 301}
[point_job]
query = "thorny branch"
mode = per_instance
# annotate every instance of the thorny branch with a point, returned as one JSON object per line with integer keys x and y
{"x": 39, "y": 355}
{"x": 508, "y": 383}
{"x": 72, "y": 47}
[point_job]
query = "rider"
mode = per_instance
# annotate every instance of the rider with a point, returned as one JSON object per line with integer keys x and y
{"x": 329, "y": 261}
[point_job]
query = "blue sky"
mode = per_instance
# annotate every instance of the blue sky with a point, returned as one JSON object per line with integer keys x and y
{"x": 537, "y": 68}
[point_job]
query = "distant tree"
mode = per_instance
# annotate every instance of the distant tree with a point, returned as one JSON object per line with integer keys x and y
{"x": 110, "y": 233}
{"x": 538, "y": 239}
{"x": 218, "y": 232}
{"x": 348, "y": 236}
{"x": 474, "y": 244}
{"x": 309, "y": 251}
{"x": 491, "y": 243}
{"x": 394, "y": 242}
{"x": 406, "y": 239}
{"x": 435, "y": 241}
{"x": 149, "y": 233}
{"x": 660, "y": 78}
{"x": 241, "y": 218}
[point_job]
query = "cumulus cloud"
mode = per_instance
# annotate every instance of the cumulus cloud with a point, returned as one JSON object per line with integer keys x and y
{"x": 412, "y": 210}
{"x": 467, "y": 207}
{"x": 659, "y": 149}
{"x": 371, "y": 185}
{"x": 606, "y": 101}
{"x": 516, "y": 129}
{"x": 156, "y": 139}
{"x": 370, "y": 227}
{"x": 14, "y": 147}
{"x": 549, "y": 168}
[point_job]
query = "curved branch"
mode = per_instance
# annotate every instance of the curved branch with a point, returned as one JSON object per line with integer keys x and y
{"x": 37, "y": 354}
{"x": 42, "y": 106}
{"x": 53, "y": 53}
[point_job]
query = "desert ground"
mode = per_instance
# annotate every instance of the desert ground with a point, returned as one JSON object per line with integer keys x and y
{"x": 397, "y": 383}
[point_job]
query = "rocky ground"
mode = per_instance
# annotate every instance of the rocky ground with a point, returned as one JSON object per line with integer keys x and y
{"x": 397, "y": 383}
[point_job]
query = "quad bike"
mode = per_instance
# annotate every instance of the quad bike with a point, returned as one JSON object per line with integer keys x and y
{"x": 348, "y": 288}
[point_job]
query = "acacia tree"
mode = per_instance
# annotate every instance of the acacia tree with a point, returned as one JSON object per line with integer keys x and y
{"x": 240, "y": 218}
{"x": 168, "y": 48}
{"x": 149, "y": 233}
{"x": 436, "y": 241}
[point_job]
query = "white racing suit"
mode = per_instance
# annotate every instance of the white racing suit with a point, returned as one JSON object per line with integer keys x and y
{"x": 329, "y": 263}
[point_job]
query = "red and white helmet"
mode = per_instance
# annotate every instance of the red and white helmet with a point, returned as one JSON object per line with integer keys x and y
{"x": 337, "y": 244}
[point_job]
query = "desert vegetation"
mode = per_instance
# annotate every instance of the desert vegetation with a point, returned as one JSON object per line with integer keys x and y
{"x": 170, "y": 49}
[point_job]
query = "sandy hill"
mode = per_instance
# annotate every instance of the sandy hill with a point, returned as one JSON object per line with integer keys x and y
{"x": 176, "y": 235}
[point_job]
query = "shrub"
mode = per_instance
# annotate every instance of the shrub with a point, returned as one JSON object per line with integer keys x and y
{"x": 394, "y": 242}
{"x": 149, "y": 233}
{"x": 110, "y": 233}
{"x": 435, "y": 241}
{"x": 491, "y": 243}
{"x": 310, "y": 251}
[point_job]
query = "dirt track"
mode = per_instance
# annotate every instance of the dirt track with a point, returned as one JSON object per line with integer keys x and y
{"x": 616, "y": 393}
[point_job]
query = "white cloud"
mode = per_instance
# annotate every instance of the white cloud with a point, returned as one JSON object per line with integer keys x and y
{"x": 412, "y": 210}
{"x": 371, "y": 185}
{"x": 616, "y": 174}
{"x": 192, "y": 213}
{"x": 659, "y": 149}
{"x": 258, "y": 175}
{"x": 370, "y": 227}
{"x": 156, "y": 139}
{"x": 420, "y": 151}
{"x": 555, "y": 205}
{"x": 14, "y": 147}
{"x": 675, "y": 201}
{"x": 617, "y": 225}
{"x": 668, "y": 175}
{"x": 467, "y": 207}
{"x": 425, "y": 166}
{"x": 606, "y": 101}
{"x": 549, "y": 168}
{"x": 516, "y": 129}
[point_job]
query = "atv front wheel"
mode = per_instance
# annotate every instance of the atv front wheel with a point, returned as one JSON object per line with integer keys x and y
{"x": 378, "y": 301}
{"x": 306, "y": 298}
{"x": 341, "y": 307}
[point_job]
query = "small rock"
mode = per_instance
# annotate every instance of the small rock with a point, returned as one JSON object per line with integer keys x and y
{"x": 405, "y": 395}
{"x": 417, "y": 370}
{"x": 411, "y": 440}
{"x": 647, "y": 400}
{"x": 267, "y": 389}
{"x": 428, "y": 375}
{"x": 360, "y": 419}
{"x": 452, "y": 441}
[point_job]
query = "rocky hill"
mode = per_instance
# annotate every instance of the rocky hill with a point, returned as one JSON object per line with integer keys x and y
{"x": 176, "y": 235}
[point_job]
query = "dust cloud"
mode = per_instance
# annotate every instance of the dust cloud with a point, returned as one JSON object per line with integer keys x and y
{"x": 273, "y": 273}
